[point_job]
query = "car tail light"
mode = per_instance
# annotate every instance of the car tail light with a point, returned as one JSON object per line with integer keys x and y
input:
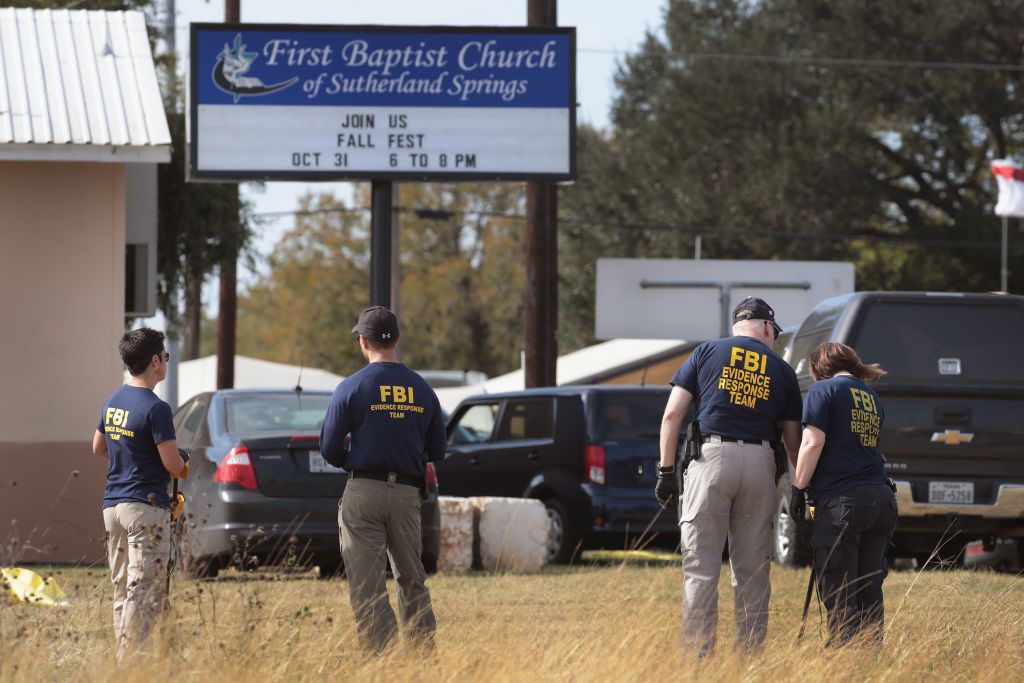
{"x": 595, "y": 464}
{"x": 431, "y": 474}
{"x": 237, "y": 468}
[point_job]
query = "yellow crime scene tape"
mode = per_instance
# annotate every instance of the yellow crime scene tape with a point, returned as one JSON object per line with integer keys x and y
{"x": 23, "y": 585}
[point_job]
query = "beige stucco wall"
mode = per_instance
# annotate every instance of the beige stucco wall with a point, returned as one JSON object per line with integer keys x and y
{"x": 62, "y": 261}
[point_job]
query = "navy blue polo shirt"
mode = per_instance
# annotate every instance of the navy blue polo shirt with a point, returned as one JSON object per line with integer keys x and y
{"x": 741, "y": 388}
{"x": 134, "y": 420}
{"x": 394, "y": 418}
{"x": 850, "y": 414}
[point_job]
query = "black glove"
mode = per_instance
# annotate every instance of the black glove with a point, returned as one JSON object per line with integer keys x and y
{"x": 797, "y": 504}
{"x": 666, "y": 490}
{"x": 184, "y": 454}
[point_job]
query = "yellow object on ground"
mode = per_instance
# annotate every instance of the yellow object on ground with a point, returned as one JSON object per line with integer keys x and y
{"x": 631, "y": 556}
{"x": 23, "y": 585}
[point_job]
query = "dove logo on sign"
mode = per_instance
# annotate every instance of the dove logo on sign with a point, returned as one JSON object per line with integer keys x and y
{"x": 232, "y": 65}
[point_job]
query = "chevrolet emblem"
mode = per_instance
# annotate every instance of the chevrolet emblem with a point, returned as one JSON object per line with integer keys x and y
{"x": 952, "y": 437}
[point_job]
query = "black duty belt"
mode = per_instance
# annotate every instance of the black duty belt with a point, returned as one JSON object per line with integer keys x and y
{"x": 385, "y": 476}
{"x": 715, "y": 438}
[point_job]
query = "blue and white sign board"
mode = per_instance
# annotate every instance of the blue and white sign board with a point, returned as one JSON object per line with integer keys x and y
{"x": 296, "y": 102}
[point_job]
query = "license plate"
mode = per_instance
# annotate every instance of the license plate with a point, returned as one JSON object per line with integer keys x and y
{"x": 317, "y": 465}
{"x": 950, "y": 492}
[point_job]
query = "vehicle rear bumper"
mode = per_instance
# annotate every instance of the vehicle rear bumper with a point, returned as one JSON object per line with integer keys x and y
{"x": 251, "y": 524}
{"x": 1009, "y": 504}
{"x": 629, "y": 511}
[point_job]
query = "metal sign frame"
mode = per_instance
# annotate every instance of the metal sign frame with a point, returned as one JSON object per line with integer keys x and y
{"x": 193, "y": 173}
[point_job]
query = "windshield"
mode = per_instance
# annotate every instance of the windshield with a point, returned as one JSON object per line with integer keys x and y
{"x": 954, "y": 342}
{"x": 624, "y": 416}
{"x": 292, "y": 412}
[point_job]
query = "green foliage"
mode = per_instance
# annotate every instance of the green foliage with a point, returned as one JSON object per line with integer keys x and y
{"x": 806, "y": 157}
{"x": 461, "y": 292}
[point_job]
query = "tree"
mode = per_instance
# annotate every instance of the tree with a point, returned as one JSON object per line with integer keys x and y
{"x": 192, "y": 240}
{"x": 461, "y": 282}
{"x": 750, "y": 120}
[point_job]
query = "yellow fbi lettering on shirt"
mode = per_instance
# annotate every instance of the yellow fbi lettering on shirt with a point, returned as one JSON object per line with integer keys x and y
{"x": 744, "y": 377}
{"x": 864, "y": 419}
{"x": 114, "y": 422}
{"x": 396, "y": 401}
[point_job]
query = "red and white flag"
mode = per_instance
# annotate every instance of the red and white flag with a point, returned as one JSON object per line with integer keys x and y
{"x": 1010, "y": 177}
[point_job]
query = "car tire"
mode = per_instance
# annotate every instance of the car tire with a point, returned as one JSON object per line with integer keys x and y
{"x": 563, "y": 534}
{"x": 791, "y": 538}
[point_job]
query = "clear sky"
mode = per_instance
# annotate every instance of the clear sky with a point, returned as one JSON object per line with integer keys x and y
{"x": 606, "y": 30}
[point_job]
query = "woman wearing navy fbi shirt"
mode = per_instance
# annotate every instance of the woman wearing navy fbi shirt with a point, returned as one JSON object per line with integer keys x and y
{"x": 855, "y": 511}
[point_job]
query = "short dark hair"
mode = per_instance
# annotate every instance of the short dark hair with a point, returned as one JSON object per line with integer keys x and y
{"x": 832, "y": 357}
{"x": 138, "y": 347}
{"x": 381, "y": 345}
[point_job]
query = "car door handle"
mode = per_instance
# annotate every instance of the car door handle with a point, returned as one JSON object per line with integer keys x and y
{"x": 474, "y": 461}
{"x": 533, "y": 455}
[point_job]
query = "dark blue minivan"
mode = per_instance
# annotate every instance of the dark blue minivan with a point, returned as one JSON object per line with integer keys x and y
{"x": 589, "y": 452}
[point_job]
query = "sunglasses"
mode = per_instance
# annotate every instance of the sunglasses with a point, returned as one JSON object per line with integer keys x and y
{"x": 776, "y": 330}
{"x": 165, "y": 355}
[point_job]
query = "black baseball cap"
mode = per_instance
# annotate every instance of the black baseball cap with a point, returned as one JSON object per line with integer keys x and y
{"x": 753, "y": 308}
{"x": 377, "y": 323}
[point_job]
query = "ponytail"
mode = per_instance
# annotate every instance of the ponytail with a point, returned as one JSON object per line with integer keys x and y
{"x": 832, "y": 357}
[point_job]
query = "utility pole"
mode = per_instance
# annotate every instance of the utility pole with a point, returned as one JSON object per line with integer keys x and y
{"x": 173, "y": 333}
{"x": 396, "y": 261}
{"x": 226, "y": 328}
{"x": 540, "y": 241}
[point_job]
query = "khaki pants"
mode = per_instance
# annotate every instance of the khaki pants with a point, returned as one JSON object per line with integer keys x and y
{"x": 138, "y": 547}
{"x": 728, "y": 492}
{"x": 378, "y": 520}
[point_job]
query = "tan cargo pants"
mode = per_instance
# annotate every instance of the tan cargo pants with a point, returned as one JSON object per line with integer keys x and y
{"x": 138, "y": 546}
{"x": 378, "y": 520}
{"x": 729, "y": 492}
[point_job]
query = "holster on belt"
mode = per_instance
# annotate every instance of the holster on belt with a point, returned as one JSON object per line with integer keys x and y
{"x": 781, "y": 459}
{"x": 691, "y": 447}
{"x": 423, "y": 480}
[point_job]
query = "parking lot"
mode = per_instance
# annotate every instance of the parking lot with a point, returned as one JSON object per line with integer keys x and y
{"x": 598, "y": 621}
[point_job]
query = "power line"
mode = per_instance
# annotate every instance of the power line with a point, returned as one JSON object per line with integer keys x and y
{"x": 851, "y": 61}
{"x": 443, "y": 214}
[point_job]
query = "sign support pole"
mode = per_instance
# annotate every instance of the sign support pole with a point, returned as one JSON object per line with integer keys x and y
{"x": 1004, "y": 273}
{"x": 228, "y": 308}
{"x": 380, "y": 243}
{"x": 540, "y": 242}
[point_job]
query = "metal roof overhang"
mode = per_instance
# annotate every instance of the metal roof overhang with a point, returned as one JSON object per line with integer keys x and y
{"x": 79, "y": 86}
{"x": 88, "y": 153}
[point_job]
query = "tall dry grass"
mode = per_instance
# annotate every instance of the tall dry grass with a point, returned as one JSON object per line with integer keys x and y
{"x": 617, "y": 622}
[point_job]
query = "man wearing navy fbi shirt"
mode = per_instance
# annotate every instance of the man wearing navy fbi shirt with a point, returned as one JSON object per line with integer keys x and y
{"x": 136, "y": 434}
{"x": 395, "y": 420}
{"x": 740, "y": 390}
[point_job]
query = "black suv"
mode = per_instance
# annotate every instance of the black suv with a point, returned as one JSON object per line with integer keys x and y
{"x": 953, "y": 436}
{"x": 589, "y": 452}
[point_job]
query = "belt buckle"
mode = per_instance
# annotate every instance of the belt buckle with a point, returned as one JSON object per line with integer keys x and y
{"x": 392, "y": 478}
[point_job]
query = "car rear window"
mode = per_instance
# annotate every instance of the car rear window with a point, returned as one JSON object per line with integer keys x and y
{"x": 276, "y": 412}
{"x": 626, "y": 416}
{"x": 943, "y": 342}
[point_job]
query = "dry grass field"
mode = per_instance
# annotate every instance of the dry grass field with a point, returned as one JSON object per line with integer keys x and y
{"x": 606, "y": 622}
